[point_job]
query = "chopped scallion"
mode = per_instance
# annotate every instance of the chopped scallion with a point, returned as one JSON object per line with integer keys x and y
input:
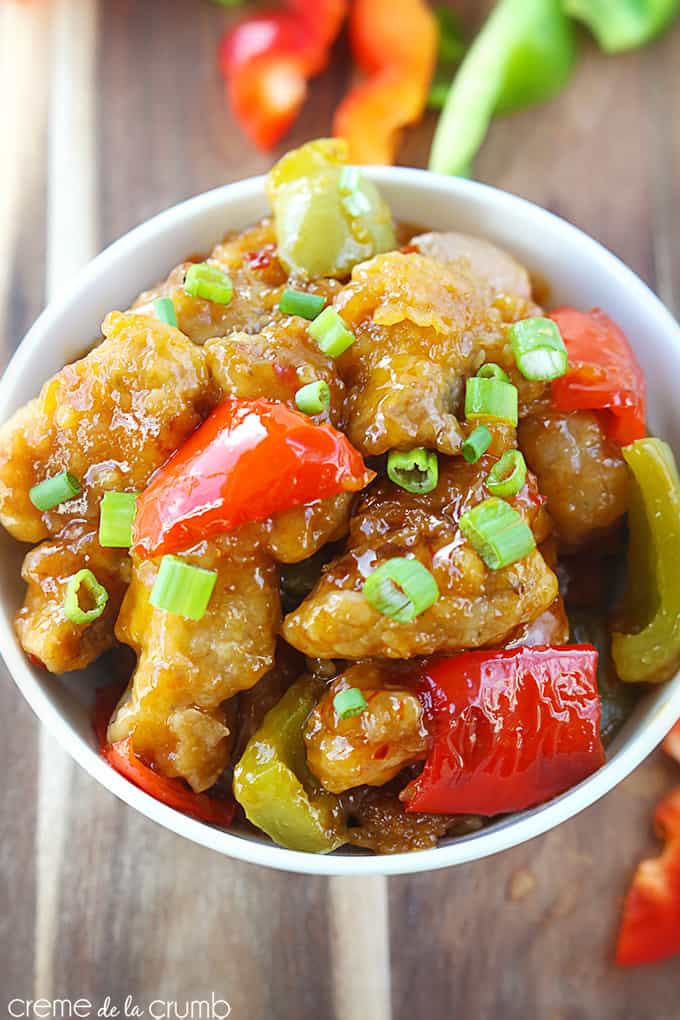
{"x": 299, "y": 302}
{"x": 313, "y": 398}
{"x": 491, "y": 398}
{"x": 349, "y": 702}
{"x": 401, "y": 588}
{"x": 490, "y": 370}
{"x": 165, "y": 310}
{"x": 508, "y": 475}
{"x": 97, "y": 593}
{"x": 55, "y": 490}
{"x": 331, "y": 333}
{"x": 116, "y": 517}
{"x": 538, "y": 348}
{"x": 476, "y": 444}
{"x": 208, "y": 282}
{"x": 349, "y": 180}
{"x": 182, "y": 589}
{"x": 497, "y": 532}
{"x": 413, "y": 470}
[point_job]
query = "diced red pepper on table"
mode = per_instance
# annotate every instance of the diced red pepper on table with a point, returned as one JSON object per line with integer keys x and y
{"x": 267, "y": 59}
{"x": 248, "y": 460}
{"x": 603, "y": 374}
{"x": 509, "y": 729}
{"x": 650, "y": 928}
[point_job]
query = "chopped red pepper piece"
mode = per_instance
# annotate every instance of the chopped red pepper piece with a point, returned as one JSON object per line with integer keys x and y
{"x": 395, "y": 44}
{"x": 650, "y": 927}
{"x": 267, "y": 59}
{"x": 509, "y": 729}
{"x": 248, "y": 460}
{"x": 603, "y": 374}
{"x": 671, "y": 744}
{"x": 173, "y": 792}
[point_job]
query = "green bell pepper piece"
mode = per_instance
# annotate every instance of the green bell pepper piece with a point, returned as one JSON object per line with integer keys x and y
{"x": 318, "y": 232}
{"x": 624, "y": 24}
{"x": 274, "y": 786}
{"x": 649, "y": 650}
{"x": 523, "y": 55}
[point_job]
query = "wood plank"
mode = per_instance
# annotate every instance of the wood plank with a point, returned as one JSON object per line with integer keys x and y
{"x": 24, "y": 35}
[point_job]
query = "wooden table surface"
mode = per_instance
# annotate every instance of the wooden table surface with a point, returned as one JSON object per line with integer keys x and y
{"x": 111, "y": 111}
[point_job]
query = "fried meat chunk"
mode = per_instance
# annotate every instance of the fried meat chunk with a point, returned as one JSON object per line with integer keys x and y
{"x": 186, "y": 669}
{"x": 110, "y": 419}
{"x": 370, "y": 748}
{"x": 43, "y": 629}
{"x": 580, "y": 472}
{"x": 476, "y": 606}
{"x": 417, "y": 325}
{"x": 249, "y": 259}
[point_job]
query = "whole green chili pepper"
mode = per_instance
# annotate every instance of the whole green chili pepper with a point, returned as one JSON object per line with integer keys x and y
{"x": 274, "y": 786}
{"x": 624, "y": 24}
{"x": 649, "y": 649}
{"x": 523, "y": 55}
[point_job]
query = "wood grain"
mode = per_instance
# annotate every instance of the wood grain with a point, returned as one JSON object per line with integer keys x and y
{"x": 95, "y": 899}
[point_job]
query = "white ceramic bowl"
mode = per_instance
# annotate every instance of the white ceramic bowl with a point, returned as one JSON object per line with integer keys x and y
{"x": 580, "y": 272}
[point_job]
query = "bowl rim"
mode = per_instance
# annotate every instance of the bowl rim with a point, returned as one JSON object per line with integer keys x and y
{"x": 511, "y": 831}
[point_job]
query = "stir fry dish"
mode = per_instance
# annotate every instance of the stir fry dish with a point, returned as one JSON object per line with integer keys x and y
{"x": 388, "y": 541}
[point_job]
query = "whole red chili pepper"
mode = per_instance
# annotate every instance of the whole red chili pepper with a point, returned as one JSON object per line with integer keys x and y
{"x": 248, "y": 460}
{"x": 267, "y": 59}
{"x": 509, "y": 729}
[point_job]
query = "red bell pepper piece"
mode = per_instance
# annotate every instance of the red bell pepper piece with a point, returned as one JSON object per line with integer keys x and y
{"x": 509, "y": 729}
{"x": 671, "y": 744}
{"x": 650, "y": 927}
{"x": 394, "y": 42}
{"x": 173, "y": 792}
{"x": 248, "y": 460}
{"x": 267, "y": 59}
{"x": 603, "y": 374}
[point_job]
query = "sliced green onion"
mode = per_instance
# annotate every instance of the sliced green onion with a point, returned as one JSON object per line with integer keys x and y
{"x": 209, "y": 282}
{"x": 298, "y": 302}
{"x": 331, "y": 333}
{"x": 491, "y": 370}
{"x": 55, "y": 490}
{"x": 476, "y": 444}
{"x": 182, "y": 589}
{"x": 356, "y": 204}
{"x": 99, "y": 595}
{"x": 497, "y": 532}
{"x": 491, "y": 398}
{"x": 414, "y": 470}
{"x": 349, "y": 180}
{"x": 401, "y": 588}
{"x": 313, "y": 398}
{"x": 165, "y": 310}
{"x": 508, "y": 475}
{"x": 116, "y": 517}
{"x": 349, "y": 702}
{"x": 538, "y": 348}
{"x": 354, "y": 201}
